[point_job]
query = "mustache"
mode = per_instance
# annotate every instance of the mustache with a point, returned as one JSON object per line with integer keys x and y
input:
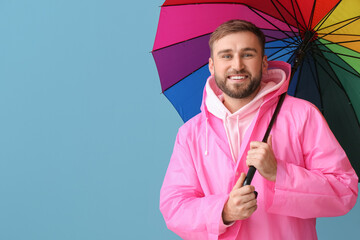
{"x": 234, "y": 72}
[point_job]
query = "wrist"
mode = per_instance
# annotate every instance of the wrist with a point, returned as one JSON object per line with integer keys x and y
{"x": 225, "y": 218}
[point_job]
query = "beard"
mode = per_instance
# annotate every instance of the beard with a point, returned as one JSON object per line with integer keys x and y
{"x": 239, "y": 90}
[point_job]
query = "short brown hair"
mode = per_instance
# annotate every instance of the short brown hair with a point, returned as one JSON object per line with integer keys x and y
{"x": 235, "y": 26}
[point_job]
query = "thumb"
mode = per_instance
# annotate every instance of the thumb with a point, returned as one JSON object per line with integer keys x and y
{"x": 269, "y": 141}
{"x": 240, "y": 181}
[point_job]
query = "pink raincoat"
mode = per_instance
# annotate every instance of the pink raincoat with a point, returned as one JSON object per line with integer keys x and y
{"x": 314, "y": 176}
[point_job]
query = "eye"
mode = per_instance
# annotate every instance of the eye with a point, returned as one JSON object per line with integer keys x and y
{"x": 248, "y": 55}
{"x": 226, "y": 56}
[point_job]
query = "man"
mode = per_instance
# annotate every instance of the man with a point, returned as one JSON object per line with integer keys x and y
{"x": 302, "y": 172}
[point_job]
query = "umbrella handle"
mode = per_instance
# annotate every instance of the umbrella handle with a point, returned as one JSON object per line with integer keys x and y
{"x": 249, "y": 176}
{"x": 251, "y": 172}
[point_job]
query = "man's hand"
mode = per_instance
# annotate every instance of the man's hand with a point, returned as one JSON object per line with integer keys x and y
{"x": 261, "y": 156}
{"x": 241, "y": 203}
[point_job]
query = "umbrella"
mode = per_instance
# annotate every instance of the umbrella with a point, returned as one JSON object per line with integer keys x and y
{"x": 320, "y": 38}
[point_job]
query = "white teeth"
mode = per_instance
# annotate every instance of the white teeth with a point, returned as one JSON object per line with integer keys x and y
{"x": 237, "y": 77}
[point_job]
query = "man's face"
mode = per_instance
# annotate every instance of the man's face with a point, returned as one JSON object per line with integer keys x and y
{"x": 237, "y": 64}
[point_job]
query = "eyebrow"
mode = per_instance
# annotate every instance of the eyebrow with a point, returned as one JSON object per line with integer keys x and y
{"x": 249, "y": 49}
{"x": 230, "y": 50}
{"x": 223, "y": 51}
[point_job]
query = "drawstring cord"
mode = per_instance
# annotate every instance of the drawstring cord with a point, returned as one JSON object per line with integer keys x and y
{"x": 206, "y": 137}
{"x": 238, "y": 130}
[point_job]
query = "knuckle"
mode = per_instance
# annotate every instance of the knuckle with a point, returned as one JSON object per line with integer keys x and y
{"x": 250, "y": 188}
{"x": 237, "y": 202}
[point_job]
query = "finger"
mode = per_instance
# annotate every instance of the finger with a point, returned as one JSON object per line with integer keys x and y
{"x": 247, "y": 213}
{"x": 254, "y": 159}
{"x": 249, "y": 196}
{"x": 252, "y": 209}
{"x": 249, "y": 205}
{"x": 250, "y": 162}
{"x": 240, "y": 181}
{"x": 243, "y": 201}
{"x": 256, "y": 154}
{"x": 256, "y": 144}
{"x": 269, "y": 141}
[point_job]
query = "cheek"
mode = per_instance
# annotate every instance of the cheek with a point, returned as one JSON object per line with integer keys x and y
{"x": 222, "y": 68}
{"x": 258, "y": 67}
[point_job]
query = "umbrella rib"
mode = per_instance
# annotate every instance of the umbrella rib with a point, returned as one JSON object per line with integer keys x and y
{"x": 173, "y": 44}
{"x": 341, "y": 27}
{"x": 184, "y": 77}
{"x": 342, "y": 34}
{"x": 331, "y": 77}
{"x": 277, "y": 9}
{"x": 342, "y": 54}
{"x": 336, "y": 43}
{"x": 201, "y": 3}
{"x": 302, "y": 17}
{"x": 356, "y": 75}
{"x": 285, "y": 32}
{"x": 311, "y": 19}
{"x": 316, "y": 75}
{"x": 317, "y": 81}
{"x": 278, "y": 39}
{"x": 282, "y": 48}
{"x": 292, "y": 51}
{"x": 312, "y": 15}
{"x": 350, "y": 21}
{"x": 297, "y": 84}
{"x": 338, "y": 83}
{"x": 345, "y": 55}
{"x": 286, "y": 10}
{"x": 332, "y": 25}
{"x": 330, "y": 43}
{"x": 297, "y": 22}
{"x": 275, "y": 47}
{"x": 327, "y": 17}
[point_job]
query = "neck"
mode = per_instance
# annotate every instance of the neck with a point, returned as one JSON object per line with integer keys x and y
{"x": 234, "y": 104}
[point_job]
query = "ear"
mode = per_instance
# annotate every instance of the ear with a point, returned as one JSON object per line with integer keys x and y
{"x": 265, "y": 64}
{"x": 211, "y": 66}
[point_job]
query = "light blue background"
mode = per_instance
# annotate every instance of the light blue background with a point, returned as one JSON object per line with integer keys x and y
{"x": 85, "y": 133}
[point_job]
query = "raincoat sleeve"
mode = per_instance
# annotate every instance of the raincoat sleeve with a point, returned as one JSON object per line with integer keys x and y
{"x": 186, "y": 210}
{"x": 323, "y": 184}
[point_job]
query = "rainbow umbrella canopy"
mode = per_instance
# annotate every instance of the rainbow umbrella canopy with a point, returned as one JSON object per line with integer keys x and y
{"x": 319, "y": 38}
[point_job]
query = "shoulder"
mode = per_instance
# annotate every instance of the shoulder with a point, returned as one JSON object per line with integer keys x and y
{"x": 299, "y": 106}
{"x": 298, "y": 102}
{"x": 300, "y": 112}
{"x": 191, "y": 129}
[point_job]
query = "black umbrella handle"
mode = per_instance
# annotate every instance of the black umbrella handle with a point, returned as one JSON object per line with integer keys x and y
{"x": 251, "y": 172}
{"x": 249, "y": 176}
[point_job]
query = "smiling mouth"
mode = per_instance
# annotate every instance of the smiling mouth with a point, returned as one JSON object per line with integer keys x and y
{"x": 238, "y": 77}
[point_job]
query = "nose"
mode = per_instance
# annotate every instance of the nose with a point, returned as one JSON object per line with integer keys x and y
{"x": 237, "y": 63}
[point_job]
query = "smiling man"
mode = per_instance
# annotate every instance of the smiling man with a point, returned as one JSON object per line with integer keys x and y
{"x": 303, "y": 173}
{"x": 239, "y": 61}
